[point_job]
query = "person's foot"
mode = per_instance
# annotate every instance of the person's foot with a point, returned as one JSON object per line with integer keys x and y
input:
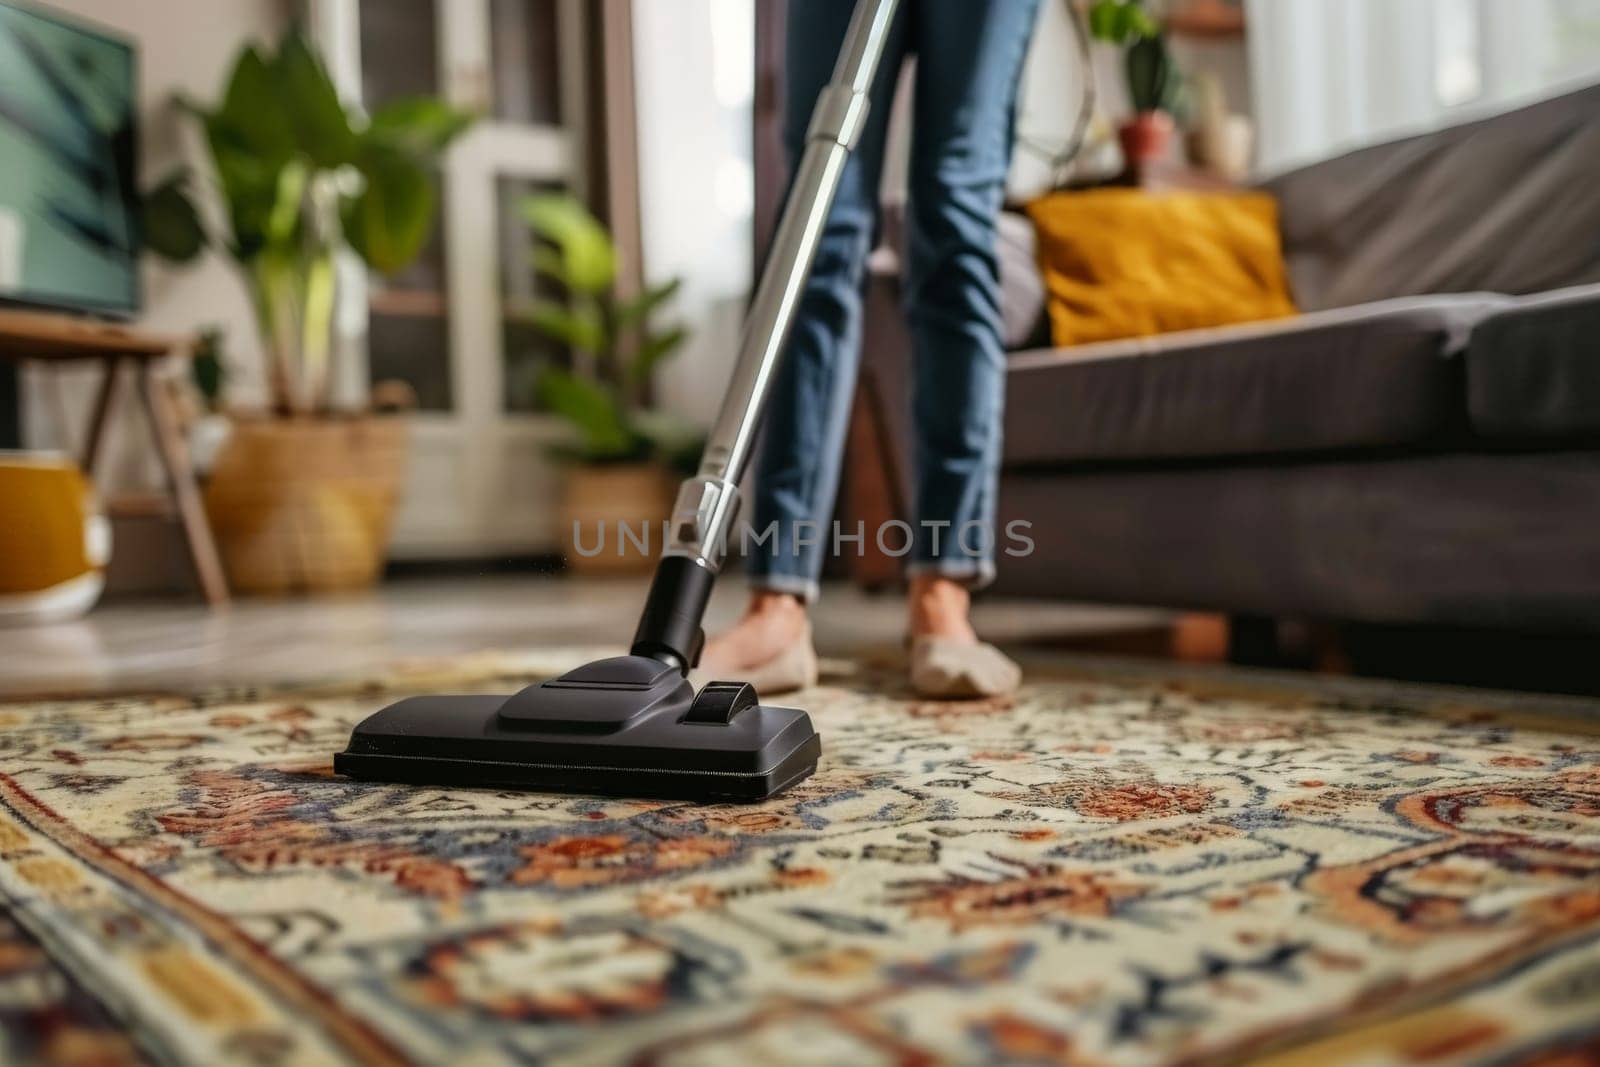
{"x": 769, "y": 647}
{"x": 947, "y": 659}
{"x": 940, "y": 607}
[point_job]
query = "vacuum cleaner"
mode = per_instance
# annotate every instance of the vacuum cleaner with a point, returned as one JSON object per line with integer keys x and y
{"x": 633, "y": 725}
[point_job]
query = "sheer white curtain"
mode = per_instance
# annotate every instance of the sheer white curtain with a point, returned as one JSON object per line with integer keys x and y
{"x": 1332, "y": 74}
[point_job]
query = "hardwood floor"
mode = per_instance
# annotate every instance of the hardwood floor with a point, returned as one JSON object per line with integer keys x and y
{"x": 135, "y": 645}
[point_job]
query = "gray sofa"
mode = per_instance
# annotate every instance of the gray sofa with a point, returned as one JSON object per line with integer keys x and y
{"x": 1421, "y": 447}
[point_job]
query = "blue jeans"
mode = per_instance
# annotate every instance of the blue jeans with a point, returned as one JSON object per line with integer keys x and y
{"x": 969, "y": 59}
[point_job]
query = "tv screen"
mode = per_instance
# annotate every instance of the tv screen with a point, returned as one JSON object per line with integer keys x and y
{"x": 68, "y": 145}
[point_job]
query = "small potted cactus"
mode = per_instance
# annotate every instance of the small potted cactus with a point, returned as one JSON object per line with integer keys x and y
{"x": 1154, "y": 83}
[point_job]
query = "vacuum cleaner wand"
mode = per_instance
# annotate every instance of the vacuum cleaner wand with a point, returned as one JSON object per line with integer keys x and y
{"x": 633, "y": 725}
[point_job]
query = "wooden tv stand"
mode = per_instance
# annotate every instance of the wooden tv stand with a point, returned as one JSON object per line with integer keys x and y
{"x": 55, "y": 341}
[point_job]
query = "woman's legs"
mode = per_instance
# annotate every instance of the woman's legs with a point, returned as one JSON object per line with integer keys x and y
{"x": 797, "y": 469}
{"x": 970, "y": 58}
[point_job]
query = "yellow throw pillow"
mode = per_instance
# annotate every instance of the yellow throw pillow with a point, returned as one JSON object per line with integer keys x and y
{"x": 1128, "y": 263}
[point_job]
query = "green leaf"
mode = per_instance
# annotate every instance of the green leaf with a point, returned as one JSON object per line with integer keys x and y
{"x": 574, "y": 326}
{"x": 388, "y": 222}
{"x": 420, "y": 126}
{"x": 636, "y": 311}
{"x": 1121, "y": 21}
{"x": 1105, "y": 20}
{"x": 652, "y": 351}
{"x": 171, "y": 226}
{"x": 249, "y": 186}
{"x": 307, "y": 96}
{"x": 549, "y": 262}
{"x": 592, "y": 410}
{"x": 589, "y": 261}
{"x": 251, "y": 114}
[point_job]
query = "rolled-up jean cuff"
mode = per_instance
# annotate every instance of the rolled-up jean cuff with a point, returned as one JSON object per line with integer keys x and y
{"x": 972, "y": 573}
{"x": 804, "y": 588}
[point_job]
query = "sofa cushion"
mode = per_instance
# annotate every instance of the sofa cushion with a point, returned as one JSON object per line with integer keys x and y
{"x": 1507, "y": 204}
{"x": 1024, "y": 321}
{"x": 1363, "y": 377}
{"x": 1533, "y": 369}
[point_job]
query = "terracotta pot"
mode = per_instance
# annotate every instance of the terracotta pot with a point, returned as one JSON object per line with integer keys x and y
{"x": 611, "y": 516}
{"x": 306, "y": 504}
{"x": 1146, "y": 137}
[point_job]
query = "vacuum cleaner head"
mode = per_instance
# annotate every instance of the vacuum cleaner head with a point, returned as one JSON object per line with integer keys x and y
{"x": 628, "y": 726}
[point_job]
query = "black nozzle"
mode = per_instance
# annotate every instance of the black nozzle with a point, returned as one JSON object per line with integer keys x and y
{"x": 669, "y": 628}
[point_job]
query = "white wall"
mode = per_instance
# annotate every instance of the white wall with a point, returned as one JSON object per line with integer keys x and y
{"x": 184, "y": 45}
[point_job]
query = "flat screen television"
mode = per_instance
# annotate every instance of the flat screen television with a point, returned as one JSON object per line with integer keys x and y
{"x": 69, "y": 218}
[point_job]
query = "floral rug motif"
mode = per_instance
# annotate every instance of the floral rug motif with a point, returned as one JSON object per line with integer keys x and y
{"x": 1120, "y": 866}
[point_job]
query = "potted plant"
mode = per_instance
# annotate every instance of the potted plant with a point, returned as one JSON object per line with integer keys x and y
{"x": 208, "y": 423}
{"x": 1154, "y": 84}
{"x": 301, "y": 496}
{"x": 623, "y": 460}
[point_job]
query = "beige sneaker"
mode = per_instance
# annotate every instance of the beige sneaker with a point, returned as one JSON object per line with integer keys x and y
{"x": 793, "y": 668}
{"x": 943, "y": 669}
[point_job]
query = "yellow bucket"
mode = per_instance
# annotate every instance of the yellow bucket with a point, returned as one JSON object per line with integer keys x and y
{"x": 54, "y": 543}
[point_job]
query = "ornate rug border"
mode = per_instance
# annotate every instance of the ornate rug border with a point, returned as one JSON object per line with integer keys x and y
{"x": 274, "y": 977}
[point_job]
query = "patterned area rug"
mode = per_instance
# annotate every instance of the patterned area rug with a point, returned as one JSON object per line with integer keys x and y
{"x": 1118, "y": 867}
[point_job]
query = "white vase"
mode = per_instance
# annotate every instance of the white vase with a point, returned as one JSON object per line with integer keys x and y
{"x": 206, "y": 438}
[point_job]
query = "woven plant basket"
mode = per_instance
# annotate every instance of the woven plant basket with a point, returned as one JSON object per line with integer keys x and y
{"x": 306, "y": 505}
{"x": 598, "y": 501}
